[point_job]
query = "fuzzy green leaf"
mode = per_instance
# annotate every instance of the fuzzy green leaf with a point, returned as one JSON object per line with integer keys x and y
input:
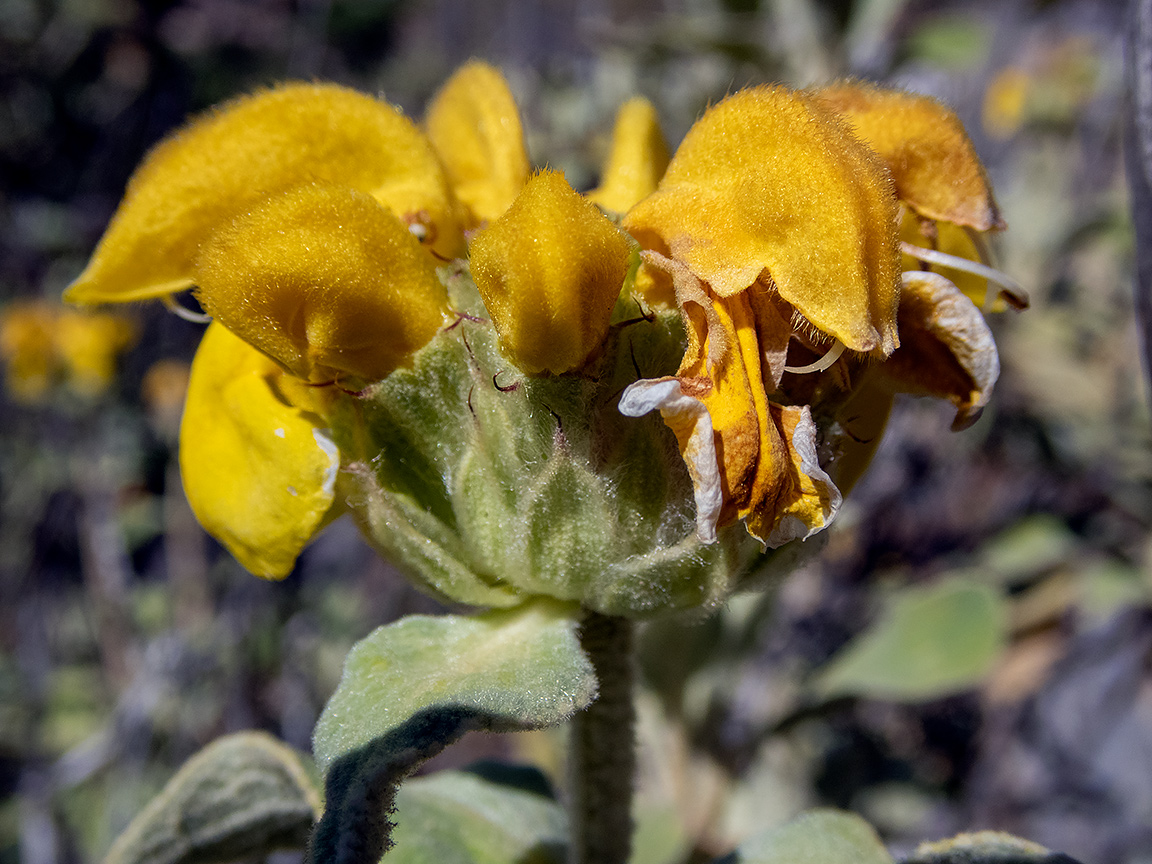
{"x": 412, "y": 688}
{"x": 928, "y": 642}
{"x": 242, "y": 796}
{"x": 815, "y": 837}
{"x": 456, "y": 817}
{"x": 986, "y": 847}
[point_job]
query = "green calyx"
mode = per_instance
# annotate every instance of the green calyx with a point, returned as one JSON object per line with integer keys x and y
{"x": 489, "y": 486}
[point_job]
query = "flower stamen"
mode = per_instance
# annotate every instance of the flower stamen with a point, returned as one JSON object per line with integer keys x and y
{"x": 832, "y": 355}
{"x": 1012, "y": 291}
{"x": 183, "y": 312}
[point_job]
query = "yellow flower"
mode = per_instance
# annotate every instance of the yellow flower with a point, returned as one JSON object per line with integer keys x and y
{"x": 771, "y": 223}
{"x": 258, "y": 470}
{"x": 948, "y": 201}
{"x": 29, "y": 350}
{"x": 933, "y": 163}
{"x": 946, "y": 349}
{"x": 326, "y": 281}
{"x": 43, "y": 344}
{"x": 739, "y": 198}
{"x": 474, "y": 124}
{"x": 550, "y": 270}
{"x": 230, "y": 160}
{"x": 299, "y": 213}
{"x": 637, "y": 161}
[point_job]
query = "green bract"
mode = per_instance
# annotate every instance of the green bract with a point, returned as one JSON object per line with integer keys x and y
{"x": 489, "y": 486}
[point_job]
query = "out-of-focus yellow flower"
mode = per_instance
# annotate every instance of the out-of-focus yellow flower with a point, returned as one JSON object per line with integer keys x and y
{"x": 258, "y": 470}
{"x": 326, "y": 281}
{"x": 231, "y": 159}
{"x": 637, "y": 160}
{"x": 162, "y": 390}
{"x": 26, "y": 342}
{"x": 550, "y": 270}
{"x": 474, "y": 124}
{"x": 89, "y": 345}
{"x": 44, "y": 344}
{"x": 1004, "y": 100}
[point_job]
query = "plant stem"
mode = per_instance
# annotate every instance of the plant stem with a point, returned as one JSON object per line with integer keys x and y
{"x": 602, "y": 752}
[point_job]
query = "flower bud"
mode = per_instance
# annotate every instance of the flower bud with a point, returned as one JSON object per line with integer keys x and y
{"x": 550, "y": 270}
{"x": 327, "y": 282}
{"x": 474, "y": 124}
{"x": 637, "y": 160}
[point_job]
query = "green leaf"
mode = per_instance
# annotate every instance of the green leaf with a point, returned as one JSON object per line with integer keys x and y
{"x": 242, "y": 796}
{"x": 412, "y": 688}
{"x": 928, "y": 642}
{"x": 985, "y": 847}
{"x": 455, "y": 817}
{"x": 1029, "y": 548}
{"x": 815, "y": 837}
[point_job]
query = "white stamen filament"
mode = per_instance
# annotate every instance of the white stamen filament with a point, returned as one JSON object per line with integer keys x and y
{"x": 934, "y": 256}
{"x": 823, "y": 363}
{"x": 181, "y": 312}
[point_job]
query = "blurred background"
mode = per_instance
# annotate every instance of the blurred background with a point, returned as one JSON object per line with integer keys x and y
{"x": 971, "y": 649}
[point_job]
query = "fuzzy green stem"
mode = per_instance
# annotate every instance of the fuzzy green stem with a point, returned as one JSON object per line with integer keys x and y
{"x": 602, "y": 753}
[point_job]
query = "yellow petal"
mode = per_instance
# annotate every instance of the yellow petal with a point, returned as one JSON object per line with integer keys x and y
{"x": 638, "y": 158}
{"x": 946, "y": 349}
{"x": 550, "y": 270}
{"x": 933, "y": 163}
{"x": 326, "y": 281}
{"x": 227, "y": 161}
{"x": 769, "y": 179}
{"x": 474, "y": 124}
{"x": 808, "y": 500}
{"x": 751, "y": 452}
{"x": 257, "y": 471}
{"x": 764, "y": 468}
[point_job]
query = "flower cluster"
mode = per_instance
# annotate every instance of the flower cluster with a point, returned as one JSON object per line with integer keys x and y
{"x": 411, "y": 325}
{"x": 44, "y": 345}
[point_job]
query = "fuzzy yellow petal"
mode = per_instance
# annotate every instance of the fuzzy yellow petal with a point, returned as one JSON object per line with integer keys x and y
{"x": 550, "y": 270}
{"x": 946, "y": 349}
{"x": 474, "y": 124}
{"x": 258, "y": 473}
{"x": 932, "y": 160}
{"x": 764, "y": 467}
{"x": 225, "y": 162}
{"x": 750, "y": 450}
{"x": 638, "y": 158}
{"x": 808, "y": 500}
{"x": 770, "y": 180}
{"x": 326, "y": 281}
